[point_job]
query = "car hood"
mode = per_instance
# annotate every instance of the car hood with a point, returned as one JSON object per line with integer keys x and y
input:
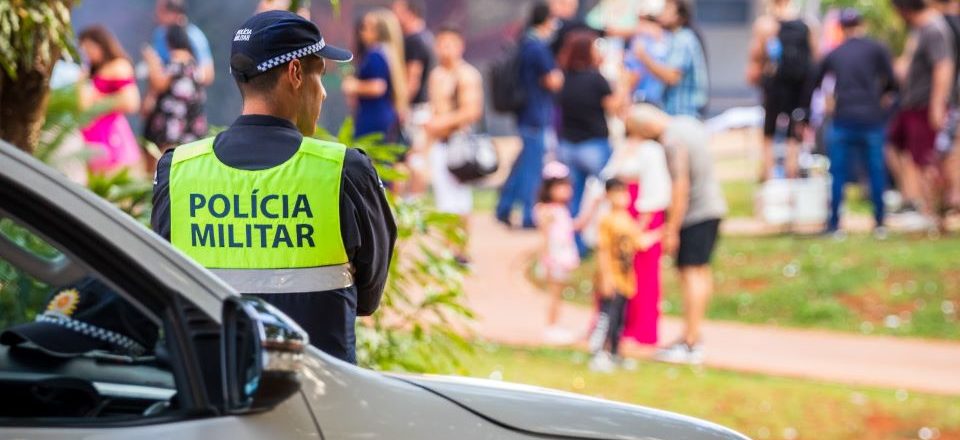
{"x": 544, "y": 412}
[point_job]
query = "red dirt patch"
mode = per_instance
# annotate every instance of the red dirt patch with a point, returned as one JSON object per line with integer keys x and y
{"x": 873, "y": 307}
{"x": 752, "y": 285}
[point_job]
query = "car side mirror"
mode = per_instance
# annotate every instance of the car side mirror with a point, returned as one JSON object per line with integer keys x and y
{"x": 262, "y": 354}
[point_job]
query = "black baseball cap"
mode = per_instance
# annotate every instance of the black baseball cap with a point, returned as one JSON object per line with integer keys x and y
{"x": 86, "y": 317}
{"x": 178, "y": 6}
{"x": 850, "y": 17}
{"x": 274, "y": 38}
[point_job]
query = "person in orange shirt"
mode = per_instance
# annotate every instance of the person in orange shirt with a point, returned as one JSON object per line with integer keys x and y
{"x": 619, "y": 238}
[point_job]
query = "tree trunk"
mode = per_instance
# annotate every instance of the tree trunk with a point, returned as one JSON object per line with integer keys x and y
{"x": 23, "y": 105}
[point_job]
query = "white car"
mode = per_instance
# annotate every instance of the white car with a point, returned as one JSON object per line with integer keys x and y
{"x": 225, "y": 367}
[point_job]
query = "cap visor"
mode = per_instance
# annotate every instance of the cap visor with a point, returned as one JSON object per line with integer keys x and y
{"x": 51, "y": 339}
{"x": 336, "y": 54}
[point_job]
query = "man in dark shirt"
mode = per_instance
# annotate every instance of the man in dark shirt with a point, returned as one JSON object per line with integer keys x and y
{"x": 417, "y": 46}
{"x": 418, "y": 43}
{"x": 541, "y": 78}
{"x": 864, "y": 80}
{"x": 947, "y": 143}
{"x": 280, "y": 105}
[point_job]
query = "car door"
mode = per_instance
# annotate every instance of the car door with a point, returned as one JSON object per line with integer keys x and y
{"x": 54, "y": 234}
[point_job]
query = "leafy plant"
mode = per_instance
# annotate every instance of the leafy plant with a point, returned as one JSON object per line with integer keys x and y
{"x": 34, "y": 34}
{"x": 421, "y": 321}
{"x": 131, "y": 194}
{"x": 883, "y": 22}
{"x": 295, "y": 5}
{"x": 21, "y": 296}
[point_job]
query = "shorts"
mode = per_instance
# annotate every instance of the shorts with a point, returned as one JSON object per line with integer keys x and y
{"x": 781, "y": 99}
{"x": 697, "y": 242}
{"x": 910, "y": 131}
{"x": 413, "y": 130}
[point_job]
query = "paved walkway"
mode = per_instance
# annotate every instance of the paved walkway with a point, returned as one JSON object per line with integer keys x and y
{"x": 511, "y": 311}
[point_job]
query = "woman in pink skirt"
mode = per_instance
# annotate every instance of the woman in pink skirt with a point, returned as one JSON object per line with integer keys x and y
{"x": 113, "y": 88}
{"x": 642, "y": 164}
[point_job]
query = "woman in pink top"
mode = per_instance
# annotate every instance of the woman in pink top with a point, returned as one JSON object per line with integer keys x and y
{"x": 113, "y": 88}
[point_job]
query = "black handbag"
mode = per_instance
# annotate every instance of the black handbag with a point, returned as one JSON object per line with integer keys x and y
{"x": 471, "y": 156}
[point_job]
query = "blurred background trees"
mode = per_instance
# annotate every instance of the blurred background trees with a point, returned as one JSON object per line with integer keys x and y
{"x": 34, "y": 34}
{"x": 883, "y": 22}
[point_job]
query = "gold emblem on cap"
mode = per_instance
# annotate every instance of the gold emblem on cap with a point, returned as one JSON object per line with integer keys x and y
{"x": 65, "y": 303}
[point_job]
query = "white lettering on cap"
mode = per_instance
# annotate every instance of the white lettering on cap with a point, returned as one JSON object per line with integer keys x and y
{"x": 243, "y": 35}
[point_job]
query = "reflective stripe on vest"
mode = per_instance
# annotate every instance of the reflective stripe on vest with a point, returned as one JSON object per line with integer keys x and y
{"x": 275, "y": 230}
{"x": 287, "y": 280}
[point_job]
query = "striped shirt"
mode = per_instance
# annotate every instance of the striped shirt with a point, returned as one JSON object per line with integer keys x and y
{"x": 689, "y": 96}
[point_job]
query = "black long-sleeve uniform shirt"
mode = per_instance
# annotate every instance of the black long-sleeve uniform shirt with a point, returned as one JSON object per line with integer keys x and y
{"x": 257, "y": 142}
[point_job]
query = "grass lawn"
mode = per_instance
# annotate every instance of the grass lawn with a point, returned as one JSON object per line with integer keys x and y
{"x": 903, "y": 286}
{"x": 759, "y": 406}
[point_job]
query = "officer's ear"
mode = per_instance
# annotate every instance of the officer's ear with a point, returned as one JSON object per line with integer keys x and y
{"x": 295, "y": 73}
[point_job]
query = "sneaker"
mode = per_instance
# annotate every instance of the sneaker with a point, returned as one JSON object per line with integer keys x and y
{"x": 599, "y": 334}
{"x": 915, "y": 222}
{"x": 880, "y": 233}
{"x": 834, "y": 234}
{"x": 602, "y": 362}
{"x": 681, "y": 353}
{"x": 558, "y": 336}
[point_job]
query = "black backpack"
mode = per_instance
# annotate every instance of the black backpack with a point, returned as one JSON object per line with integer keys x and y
{"x": 796, "y": 59}
{"x": 506, "y": 92}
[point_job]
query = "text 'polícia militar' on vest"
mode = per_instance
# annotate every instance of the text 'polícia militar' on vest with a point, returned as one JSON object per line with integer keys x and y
{"x": 233, "y": 234}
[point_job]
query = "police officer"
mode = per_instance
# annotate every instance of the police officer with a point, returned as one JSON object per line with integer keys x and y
{"x": 303, "y": 223}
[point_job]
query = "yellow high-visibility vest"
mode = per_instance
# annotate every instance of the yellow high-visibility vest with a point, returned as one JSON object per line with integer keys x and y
{"x": 275, "y": 230}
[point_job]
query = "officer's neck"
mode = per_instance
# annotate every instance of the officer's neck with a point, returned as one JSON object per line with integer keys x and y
{"x": 263, "y": 107}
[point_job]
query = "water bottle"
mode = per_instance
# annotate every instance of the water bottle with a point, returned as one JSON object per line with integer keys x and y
{"x": 774, "y": 50}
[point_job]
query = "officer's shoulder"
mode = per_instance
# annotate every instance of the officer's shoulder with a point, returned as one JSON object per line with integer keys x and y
{"x": 356, "y": 155}
{"x": 357, "y": 163}
{"x": 353, "y": 157}
{"x": 190, "y": 150}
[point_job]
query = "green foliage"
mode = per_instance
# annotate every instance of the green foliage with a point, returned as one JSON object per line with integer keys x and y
{"x": 33, "y": 33}
{"x": 295, "y": 5}
{"x": 131, "y": 194}
{"x": 419, "y": 325}
{"x": 905, "y": 286}
{"x": 883, "y": 22}
{"x": 21, "y": 296}
{"x": 63, "y": 119}
{"x": 383, "y": 155}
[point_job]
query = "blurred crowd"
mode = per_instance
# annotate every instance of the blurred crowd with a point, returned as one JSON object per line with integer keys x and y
{"x": 889, "y": 121}
{"x": 615, "y": 163}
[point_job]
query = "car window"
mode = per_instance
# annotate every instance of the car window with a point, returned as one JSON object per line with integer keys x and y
{"x": 71, "y": 346}
{"x": 22, "y": 296}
